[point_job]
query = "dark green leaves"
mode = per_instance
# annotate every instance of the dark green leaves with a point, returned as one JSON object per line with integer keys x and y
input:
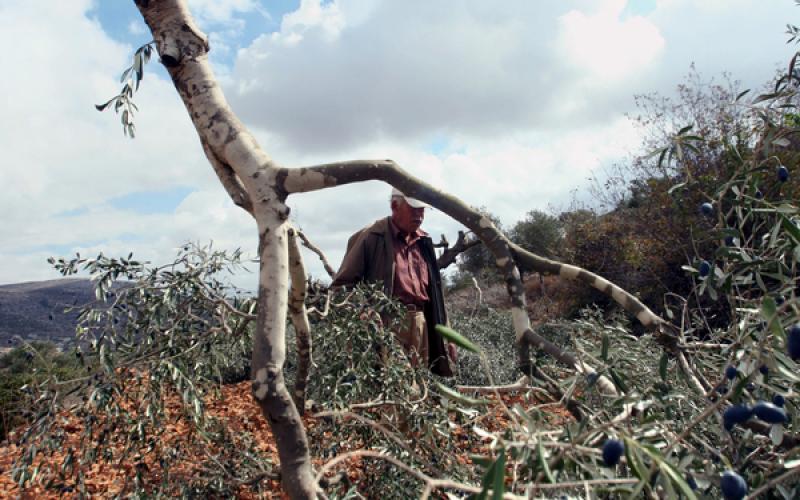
{"x": 769, "y": 312}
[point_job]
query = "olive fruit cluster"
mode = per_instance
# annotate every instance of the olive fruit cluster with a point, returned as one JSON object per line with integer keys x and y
{"x": 770, "y": 413}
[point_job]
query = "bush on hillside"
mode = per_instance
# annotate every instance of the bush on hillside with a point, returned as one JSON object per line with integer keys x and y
{"x": 28, "y": 365}
{"x": 477, "y": 262}
{"x": 540, "y": 233}
{"x": 655, "y": 225}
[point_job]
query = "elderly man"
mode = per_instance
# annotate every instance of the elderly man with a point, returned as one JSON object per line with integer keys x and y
{"x": 395, "y": 251}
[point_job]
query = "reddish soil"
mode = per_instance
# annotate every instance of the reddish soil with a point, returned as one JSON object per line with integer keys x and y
{"x": 237, "y": 408}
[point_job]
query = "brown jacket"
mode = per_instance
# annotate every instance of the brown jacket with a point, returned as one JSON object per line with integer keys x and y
{"x": 370, "y": 257}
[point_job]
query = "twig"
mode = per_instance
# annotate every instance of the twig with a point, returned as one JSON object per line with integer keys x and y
{"x": 316, "y": 250}
{"x": 702, "y": 345}
{"x": 521, "y": 384}
{"x": 431, "y": 484}
{"x": 479, "y": 299}
{"x": 585, "y": 483}
{"x": 364, "y": 420}
{"x": 211, "y": 295}
{"x": 325, "y": 310}
{"x": 774, "y": 481}
{"x": 686, "y": 368}
{"x": 449, "y": 255}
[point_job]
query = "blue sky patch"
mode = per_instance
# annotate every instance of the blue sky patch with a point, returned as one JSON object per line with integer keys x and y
{"x": 76, "y": 212}
{"x": 441, "y": 145}
{"x": 152, "y": 202}
{"x": 639, "y": 8}
{"x": 116, "y": 18}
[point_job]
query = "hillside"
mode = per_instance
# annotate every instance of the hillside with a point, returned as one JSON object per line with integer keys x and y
{"x": 36, "y": 310}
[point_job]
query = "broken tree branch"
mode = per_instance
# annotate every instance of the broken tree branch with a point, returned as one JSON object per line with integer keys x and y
{"x": 316, "y": 250}
{"x": 302, "y": 329}
{"x": 449, "y": 255}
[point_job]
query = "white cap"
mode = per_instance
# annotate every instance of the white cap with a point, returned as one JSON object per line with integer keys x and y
{"x": 412, "y": 202}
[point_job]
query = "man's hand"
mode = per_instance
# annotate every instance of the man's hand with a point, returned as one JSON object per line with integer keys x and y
{"x": 452, "y": 352}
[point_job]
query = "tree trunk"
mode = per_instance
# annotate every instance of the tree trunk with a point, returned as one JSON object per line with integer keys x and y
{"x": 248, "y": 175}
{"x": 260, "y": 187}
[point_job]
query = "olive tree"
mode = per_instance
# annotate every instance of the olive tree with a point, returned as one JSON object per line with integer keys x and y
{"x": 626, "y": 395}
{"x": 262, "y": 187}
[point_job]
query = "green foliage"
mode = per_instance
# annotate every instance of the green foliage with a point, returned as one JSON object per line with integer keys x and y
{"x": 736, "y": 316}
{"x": 30, "y": 365}
{"x": 493, "y": 332}
{"x": 362, "y": 361}
{"x": 651, "y": 243}
{"x": 539, "y": 232}
{"x": 361, "y": 368}
{"x": 655, "y": 226}
{"x": 131, "y": 78}
{"x": 177, "y": 330}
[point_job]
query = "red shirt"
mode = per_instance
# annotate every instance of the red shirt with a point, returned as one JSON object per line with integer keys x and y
{"x": 411, "y": 277}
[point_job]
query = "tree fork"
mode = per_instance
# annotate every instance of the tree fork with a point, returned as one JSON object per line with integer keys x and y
{"x": 259, "y": 186}
{"x": 247, "y": 174}
{"x": 269, "y": 355}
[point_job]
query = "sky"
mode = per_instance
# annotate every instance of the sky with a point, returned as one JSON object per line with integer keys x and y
{"x": 512, "y": 106}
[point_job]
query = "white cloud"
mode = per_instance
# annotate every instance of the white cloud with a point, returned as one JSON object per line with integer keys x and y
{"x": 744, "y": 37}
{"x": 530, "y": 99}
{"x": 220, "y": 11}
{"x": 607, "y": 46}
{"x": 311, "y": 14}
{"x": 60, "y": 154}
{"x": 410, "y": 69}
{"x": 224, "y": 21}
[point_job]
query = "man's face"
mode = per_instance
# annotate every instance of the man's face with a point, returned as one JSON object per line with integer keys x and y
{"x": 405, "y": 217}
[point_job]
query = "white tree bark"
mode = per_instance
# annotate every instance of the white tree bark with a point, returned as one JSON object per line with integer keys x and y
{"x": 299, "y": 315}
{"x": 249, "y": 176}
{"x": 261, "y": 187}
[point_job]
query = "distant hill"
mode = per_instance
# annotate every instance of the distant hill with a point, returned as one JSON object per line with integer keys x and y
{"x": 35, "y": 310}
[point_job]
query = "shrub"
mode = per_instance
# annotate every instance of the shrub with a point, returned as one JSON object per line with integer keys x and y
{"x": 30, "y": 364}
{"x": 175, "y": 331}
{"x": 539, "y": 232}
{"x": 361, "y": 369}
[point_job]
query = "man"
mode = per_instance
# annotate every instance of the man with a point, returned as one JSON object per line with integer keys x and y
{"x": 395, "y": 251}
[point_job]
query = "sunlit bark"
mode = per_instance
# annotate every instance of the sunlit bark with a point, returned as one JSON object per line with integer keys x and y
{"x": 261, "y": 187}
{"x": 299, "y": 316}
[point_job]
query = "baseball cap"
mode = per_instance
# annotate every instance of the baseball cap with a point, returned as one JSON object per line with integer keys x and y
{"x": 412, "y": 202}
